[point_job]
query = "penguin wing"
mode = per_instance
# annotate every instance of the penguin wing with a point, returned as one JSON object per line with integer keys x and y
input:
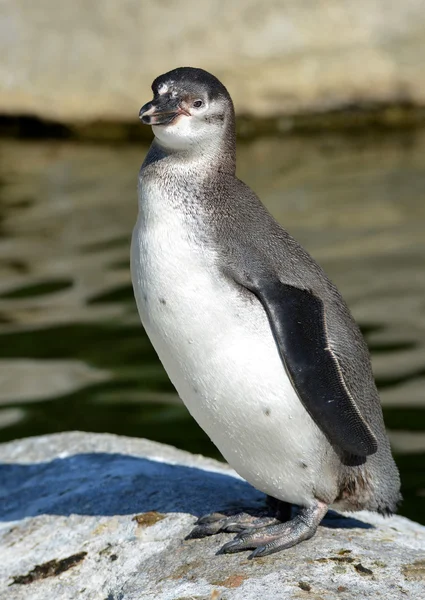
{"x": 298, "y": 322}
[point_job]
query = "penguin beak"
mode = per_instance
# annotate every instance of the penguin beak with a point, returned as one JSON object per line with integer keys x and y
{"x": 161, "y": 111}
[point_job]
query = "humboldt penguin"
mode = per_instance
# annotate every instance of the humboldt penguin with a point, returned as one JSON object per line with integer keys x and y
{"x": 256, "y": 339}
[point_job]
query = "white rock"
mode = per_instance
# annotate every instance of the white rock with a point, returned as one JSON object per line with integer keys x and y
{"x": 72, "y": 498}
{"x": 96, "y": 60}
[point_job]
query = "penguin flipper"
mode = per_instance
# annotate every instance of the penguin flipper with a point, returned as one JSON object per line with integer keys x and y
{"x": 298, "y": 322}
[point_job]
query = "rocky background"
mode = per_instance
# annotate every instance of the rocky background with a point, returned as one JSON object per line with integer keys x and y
{"x": 102, "y": 517}
{"x": 84, "y": 61}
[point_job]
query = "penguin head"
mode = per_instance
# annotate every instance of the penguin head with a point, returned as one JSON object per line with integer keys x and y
{"x": 190, "y": 108}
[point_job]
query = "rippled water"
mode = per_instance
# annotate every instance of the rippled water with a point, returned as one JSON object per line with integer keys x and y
{"x": 72, "y": 352}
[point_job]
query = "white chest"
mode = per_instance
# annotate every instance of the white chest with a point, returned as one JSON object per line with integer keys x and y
{"x": 218, "y": 350}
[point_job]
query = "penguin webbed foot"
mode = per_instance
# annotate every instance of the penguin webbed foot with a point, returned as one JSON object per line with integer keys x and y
{"x": 231, "y": 523}
{"x": 275, "y": 537}
{"x": 234, "y": 521}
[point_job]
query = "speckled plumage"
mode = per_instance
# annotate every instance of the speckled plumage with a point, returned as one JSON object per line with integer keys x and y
{"x": 204, "y": 249}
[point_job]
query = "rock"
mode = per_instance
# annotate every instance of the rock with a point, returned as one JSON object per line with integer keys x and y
{"x": 102, "y": 517}
{"x": 88, "y": 60}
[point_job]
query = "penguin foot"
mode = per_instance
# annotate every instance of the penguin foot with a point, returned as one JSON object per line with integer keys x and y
{"x": 244, "y": 521}
{"x": 236, "y": 523}
{"x": 273, "y": 538}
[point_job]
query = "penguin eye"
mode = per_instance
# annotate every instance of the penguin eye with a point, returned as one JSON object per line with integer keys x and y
{"x": 197, "y": 104}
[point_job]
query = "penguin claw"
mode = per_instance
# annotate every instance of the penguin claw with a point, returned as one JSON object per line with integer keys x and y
{"x": 211, "y": 518}
{"x": 263, "y": 533}
{"x": 230, "y": 547}
{"x": 273, "y": 538}
{"x": 204, "y": 530}
{"x": 244, "y": 542}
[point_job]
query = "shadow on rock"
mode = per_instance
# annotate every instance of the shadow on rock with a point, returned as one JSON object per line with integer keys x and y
{"x": 103, "y": 484}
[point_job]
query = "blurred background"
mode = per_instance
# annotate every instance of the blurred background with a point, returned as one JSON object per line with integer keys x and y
{"x": 330, "y": 98}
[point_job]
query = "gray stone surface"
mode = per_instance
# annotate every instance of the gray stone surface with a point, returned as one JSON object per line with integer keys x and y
{"x": 85, "y": 60}
{"x": 101, "y": 517}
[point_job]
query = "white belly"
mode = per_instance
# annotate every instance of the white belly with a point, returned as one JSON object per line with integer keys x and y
{"x": 218, "y": 350}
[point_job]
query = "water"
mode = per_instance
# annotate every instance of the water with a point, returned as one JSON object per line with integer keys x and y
{"x": 72, "y": 352}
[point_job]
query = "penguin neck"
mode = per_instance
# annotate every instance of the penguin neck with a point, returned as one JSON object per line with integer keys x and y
{"x": 217, "y": 158}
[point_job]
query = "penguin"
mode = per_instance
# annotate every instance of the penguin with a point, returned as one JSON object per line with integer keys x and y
{"x": 257, "y": 341}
